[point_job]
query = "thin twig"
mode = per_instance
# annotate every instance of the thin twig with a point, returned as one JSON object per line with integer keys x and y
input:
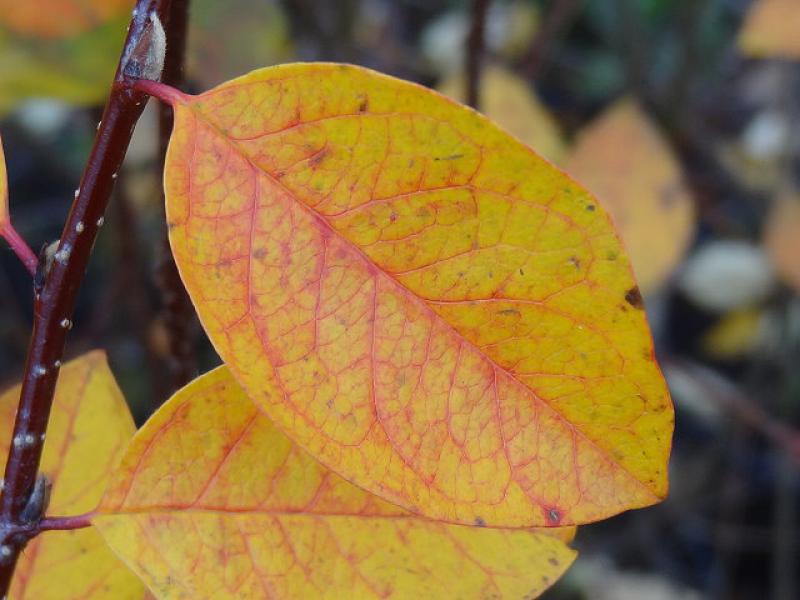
{"x": 20, "y": 247}
{"x": 179, "y": 316}
{"x": 55, "y": 300}
{"x": 728, "y": 397}
{"x": 559, "y": 15}
{"x": 474, "y": 51}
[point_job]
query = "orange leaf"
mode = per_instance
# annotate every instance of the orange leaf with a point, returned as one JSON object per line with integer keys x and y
{"x": 417, "y": 299}
{"x": 624, "y": 160}
{"x": 59, "y": 18}
{"x": 89, "y": 427}
{"x": 771, "y": 30}
{"x": 212, "y": 501}
{"x": 782, "y": 238}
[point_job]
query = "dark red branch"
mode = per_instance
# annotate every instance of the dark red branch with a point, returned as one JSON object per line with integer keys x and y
{"x": 475, "y": 50}
{"x": 55, "y": 299}
{"x": 561, "y": 13}
{"x": 179, "y": 317}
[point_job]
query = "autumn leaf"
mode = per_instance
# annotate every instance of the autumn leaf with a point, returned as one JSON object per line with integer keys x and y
{"x": 417, "y": 299}
{"x": 89, "y": 427}
{"x": 623, "y": 159}
{"x": 771, "y": 30}
{"x": 782, "y": 238}
{"x": 212, "y": 501}
{"x": 511, "y": 103}
{"x": 59, "y": 18}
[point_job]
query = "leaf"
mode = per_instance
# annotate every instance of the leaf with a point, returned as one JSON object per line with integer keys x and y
{"x": 782, "y": 238}
{"x": 76, "y": 70}
{"x": 212, "y": 501}
{"x": 5, "y": 217}
{"x": 59, "y": 18}
{"x": 623, "y": 159}
{"x": 422, "y": 303}
{"x": 89, "y": 427}
{"x": 770, "y": 30}
{"x": 509, "y": 101}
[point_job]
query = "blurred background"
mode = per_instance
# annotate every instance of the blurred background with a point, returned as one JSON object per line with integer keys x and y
{"x": 683, "y": 116}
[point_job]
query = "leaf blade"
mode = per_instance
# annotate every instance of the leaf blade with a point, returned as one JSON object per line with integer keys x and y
{"x": 315, "y": 209}
{"x": 78, "y": 457}
{"x": 187, "y": 493}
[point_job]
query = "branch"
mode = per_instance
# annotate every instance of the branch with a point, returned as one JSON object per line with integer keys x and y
{"x": 561, "y": 13}
{"x": 179, "y": 314}
{"x": 474, "y": 51}
{"x": 55, "y": 299}
{"x": 727, "y": 397}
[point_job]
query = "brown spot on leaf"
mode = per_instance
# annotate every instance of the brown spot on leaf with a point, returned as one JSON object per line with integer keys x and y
{"x": 479, "y": 522}
{"x": 509, "y": 311}
{"x": 590, "y": 207}
{"x": 317, "y": 158}
{"x": 634, "y": 297}
{"x": 575, "y": 262}
{"x": 259, "y": 253}
{"x": 553, "y": 561}
{"x": 364, "y": 105}
{"x": 450, "y": 157}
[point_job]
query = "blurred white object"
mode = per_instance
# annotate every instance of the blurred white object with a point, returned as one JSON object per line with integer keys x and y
{"x": 599, "y": 579}
{"x": 725, "y": 275}
{"x": 767, "y": 135}
{"x": 43, "y": 117}
{"x": 509, "y": 29}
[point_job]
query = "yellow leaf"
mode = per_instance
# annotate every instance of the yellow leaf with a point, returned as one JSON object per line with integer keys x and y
{"x": 89, "y": 427}
{"x": 59, "y": 18}
{"x": 772, "y": 30}
{"x": 782, "y": 238}
{"x": 511, "y": 103}
{"x": 736, "y": 334}
{"x": 421, "y": 302}
{"x": 212, "y": 501}
{"x": 5, "y": 218}
{"x": 622, "y": 158}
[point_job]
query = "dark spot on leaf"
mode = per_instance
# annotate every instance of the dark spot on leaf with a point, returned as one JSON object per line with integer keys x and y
{"x": 479, "y": 522}
{"x": 590, "y": 207}
{"x": 364, "y": 105}
{"x": 450, "y": 157}
{"x": 575, "y": 262}
{"x": 521, "y": 272}
{"x": 259, "y": 253}
{"x": 553, "y": 516}
{"x": 634, "y": 297}
{"x": 509, "y": 311}
{"x": 552, "y": 560}
{"x": 317, "y": 158}
{"x": 611, "y": 255}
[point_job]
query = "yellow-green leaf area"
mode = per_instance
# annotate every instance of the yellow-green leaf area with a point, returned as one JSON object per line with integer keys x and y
{"x": 212, "y": 501}
{"x": 89, "y": 428}
{"x": 420, "y": 301}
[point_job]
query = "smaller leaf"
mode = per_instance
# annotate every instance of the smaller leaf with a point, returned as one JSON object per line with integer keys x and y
{"x": 508, "y": 100}
{"x": 623, "y": 159}
{"x": 59, "y": 18}
{"x": 771, "y": 30}
{"x": 89, "y": 427}
{"x": 212, "y": 501}
{"x": 782, "y": 239}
